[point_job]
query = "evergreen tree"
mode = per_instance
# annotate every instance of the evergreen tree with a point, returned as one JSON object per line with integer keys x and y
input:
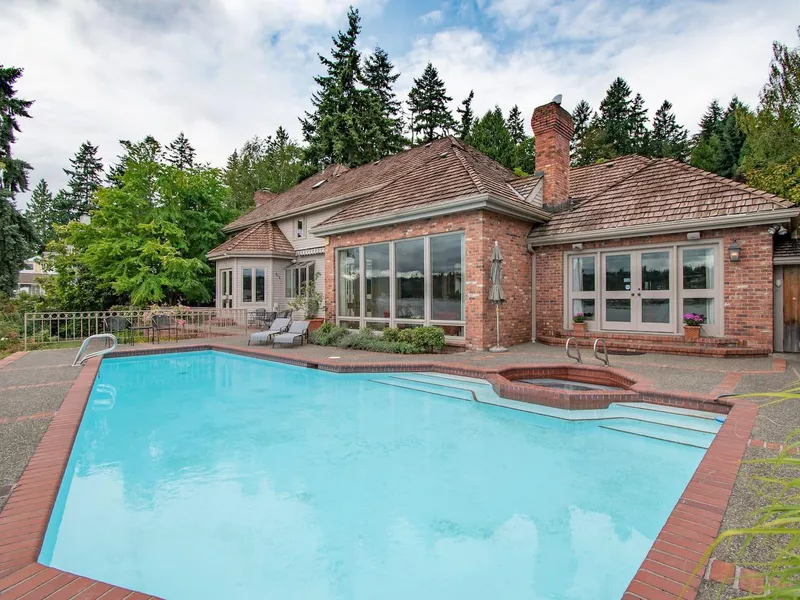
{"x": 781, "y": 94}
{"x": 40, "y": 212}
{"x": 524, "y": 156}
{"x": 706, "y": 151}
{"x": 180, "y": 153}
{"x": 428, "y": 99}
{"x": 14, "y": 171}
{"x": 384, "y": 120}
{"x": 709, "y": 124}
{"x": 335, "y": 130}
{"x": 581, "y": 117}
{"x": 84, "y": 179}
{"x": 17, "y": 236}
{"x": 616, "y": 117}
{"x": 668, "y": 139}
{"x": 515, "y": 125}
{"x": 732, "y": 137}
{"x": 639, "y": 135}
{"x": 491, "y": 136}
{"x": 467, "y": 117}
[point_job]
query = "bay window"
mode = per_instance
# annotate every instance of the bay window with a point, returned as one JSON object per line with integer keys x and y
{"x": 403, "y": 283}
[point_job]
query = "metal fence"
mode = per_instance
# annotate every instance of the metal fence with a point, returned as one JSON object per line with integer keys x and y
{"x": 134, "y": 326}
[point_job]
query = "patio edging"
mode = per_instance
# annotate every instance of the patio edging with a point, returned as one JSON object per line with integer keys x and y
{"x": 668, "y": 570}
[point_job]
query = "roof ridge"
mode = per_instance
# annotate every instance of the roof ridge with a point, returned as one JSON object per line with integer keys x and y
{"x": 468, "y": 168}
{"x": 650, "y": 162}
{"x": 730, "y": 182}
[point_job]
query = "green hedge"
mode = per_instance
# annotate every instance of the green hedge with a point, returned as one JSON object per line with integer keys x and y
{"x": 415, "y": 340}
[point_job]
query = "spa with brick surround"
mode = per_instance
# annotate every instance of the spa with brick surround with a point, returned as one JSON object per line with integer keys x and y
{"x": 631, "y": 244}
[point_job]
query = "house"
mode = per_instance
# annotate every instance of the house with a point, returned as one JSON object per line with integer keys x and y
{"x": 31, "y": 276}
{"x": 632, "y": 243}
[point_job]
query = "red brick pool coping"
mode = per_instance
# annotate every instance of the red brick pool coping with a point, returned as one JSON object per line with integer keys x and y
{"x": 665, "y": 574}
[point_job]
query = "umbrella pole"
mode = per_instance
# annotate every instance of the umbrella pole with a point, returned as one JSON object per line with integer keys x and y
{"x": 497, "y": 347}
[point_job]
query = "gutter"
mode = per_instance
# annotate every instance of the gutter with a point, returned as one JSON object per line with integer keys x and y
{"x": 766, "y": 217}
{"x": 251, "y": 254}
{"x": 474, "y": 202}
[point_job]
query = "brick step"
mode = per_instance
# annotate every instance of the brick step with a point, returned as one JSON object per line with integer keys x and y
{"x": 653, "y": 338}
{"x": 661, "y": 347}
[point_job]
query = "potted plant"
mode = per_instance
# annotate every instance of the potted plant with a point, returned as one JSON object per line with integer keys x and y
{"x": 692, "y": 324}
{"x": 309, "y": 300}
{"x": 579, "y": 323}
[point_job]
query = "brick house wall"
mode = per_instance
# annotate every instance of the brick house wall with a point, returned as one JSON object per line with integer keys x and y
{"x": 481, "y": 229}
{"x": 747, "y": 284}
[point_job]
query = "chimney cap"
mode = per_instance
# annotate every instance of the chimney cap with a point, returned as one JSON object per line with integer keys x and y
{"x": 557, "y": 99}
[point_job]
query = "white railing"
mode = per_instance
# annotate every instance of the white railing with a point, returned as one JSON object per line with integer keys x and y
{"x": 48, "y": 329}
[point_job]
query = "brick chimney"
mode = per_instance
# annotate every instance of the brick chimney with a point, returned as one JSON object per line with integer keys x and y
{"x": 552, "y": 126}
{"x": 263, "y": 196}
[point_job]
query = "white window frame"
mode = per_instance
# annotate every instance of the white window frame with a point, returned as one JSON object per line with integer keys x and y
{"x": 290, "y": 291}
{"x": 299, "y": 232}
{"x": 392, "y": 321}
{"x": 253, "y": 284}
{"x": 677, "y": 293}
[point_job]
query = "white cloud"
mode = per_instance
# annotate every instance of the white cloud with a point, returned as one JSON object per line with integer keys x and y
{"x": 432, "y": 18}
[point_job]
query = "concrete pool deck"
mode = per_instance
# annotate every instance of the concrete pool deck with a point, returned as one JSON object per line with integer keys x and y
{"x": 42, "y": 395}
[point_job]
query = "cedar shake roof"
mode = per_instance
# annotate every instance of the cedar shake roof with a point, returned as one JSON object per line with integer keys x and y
{"x": 525, "y": 185}
{"x": 650, "y": 191}
{"x": 341, "y": 181}
{"x": 787, "y": 249}
{"x": 457, "y": 171}
{"x": 261, "y": 237}
{"x": 588, "y": 181}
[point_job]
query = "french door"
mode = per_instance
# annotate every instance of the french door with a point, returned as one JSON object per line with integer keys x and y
{"x": 638, "y": 290}
{"x": 226, "y": 288}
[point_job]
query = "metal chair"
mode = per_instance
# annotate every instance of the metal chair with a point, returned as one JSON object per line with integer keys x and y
{"x": 164, "y": 323}
{"x": 119, "y": 327}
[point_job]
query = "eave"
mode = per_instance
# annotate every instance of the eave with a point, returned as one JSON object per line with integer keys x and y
{"x": 248, "y": 254}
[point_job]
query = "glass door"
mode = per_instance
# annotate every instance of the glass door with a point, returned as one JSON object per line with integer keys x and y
{"x": 226, "y": 288}
{"x": 638, "y": 291}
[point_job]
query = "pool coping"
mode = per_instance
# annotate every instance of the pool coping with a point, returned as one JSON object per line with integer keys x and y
{"x": 669, "y": 571}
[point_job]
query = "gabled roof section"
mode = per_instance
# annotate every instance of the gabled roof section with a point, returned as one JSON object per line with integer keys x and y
{"x": 261, "y": 238}
{"x": 458, "y": 171}
{"x": 525, "y": 185}
{"x": 340, "y": 182}
{"x": 664, "y": 191}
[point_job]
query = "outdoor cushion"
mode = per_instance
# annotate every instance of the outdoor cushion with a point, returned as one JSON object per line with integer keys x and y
{"x": 297, "y": 330}
{"x": 278, "y": 326}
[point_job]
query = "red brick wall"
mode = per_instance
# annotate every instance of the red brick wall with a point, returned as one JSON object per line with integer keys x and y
{"x": 481, "y": 229}
{"x": 553, "y": 127}
{"x": 747, "y": 288}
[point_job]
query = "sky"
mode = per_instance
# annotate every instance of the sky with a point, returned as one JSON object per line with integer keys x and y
{"x": 223, "y": 71}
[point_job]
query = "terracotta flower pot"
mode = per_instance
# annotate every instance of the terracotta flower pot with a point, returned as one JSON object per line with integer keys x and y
{"x": 314, "y": 324}
{"x": 579, "y": 328}
{"x": 692, "y": 332}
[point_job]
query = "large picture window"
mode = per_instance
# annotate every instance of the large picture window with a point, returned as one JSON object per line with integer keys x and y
{"x": 296, "y": 277}
{"x": 254, "y": 285}
{"x": 403, "y": 283}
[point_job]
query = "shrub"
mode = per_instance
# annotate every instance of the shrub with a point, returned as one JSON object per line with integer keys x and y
{"x": 390, "y": 334}
{"x": 427, "y": 339}
{"x": 328, "y": 334}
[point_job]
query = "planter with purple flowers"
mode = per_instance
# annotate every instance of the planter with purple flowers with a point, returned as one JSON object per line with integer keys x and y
{"x": 692, "y": 325}
{"x": 579, "y": 323}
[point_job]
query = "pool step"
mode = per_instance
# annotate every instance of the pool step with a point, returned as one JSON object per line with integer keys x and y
{"x": 689, "y": 412}
{"x": 668, "y": 419}
{"x": 450, "y": 391}
{"x": 661, "y": 432}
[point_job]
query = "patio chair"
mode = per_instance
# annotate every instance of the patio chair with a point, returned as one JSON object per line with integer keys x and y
{"x": 278, "y": 326}
{"x": 286, "y": 314}
{"x": 264, "y": 322}
{"x": 298, "y": 330}
{"x": 164, "y": 323}
{"x": 258, "y": 316}
{"x": 119, "y": 326}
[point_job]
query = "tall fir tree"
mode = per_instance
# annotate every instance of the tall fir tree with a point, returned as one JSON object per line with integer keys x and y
{"x": 466, "y": 117}
{"x": 335, "y": 130}
{"x": 85, "y": 176}
{"x": 615, "y": 117}
{"x": 781, "y": 94}
{"x": 384, "y": 121}
{"x": 581, "y": 118}
{"x": 491, "y": 136}
{"x": 40, "y": 212}
{"x": 17, "y": 237}
{"x": 515, "y": 125}
{"x": 668, "y": 139}
{"x": 428, "y": 101}
{"x": 732, "y": 137}
{"x": 639, "y": 134}
{"x": 706, "y": 144}
{"x": 180, "y": 153}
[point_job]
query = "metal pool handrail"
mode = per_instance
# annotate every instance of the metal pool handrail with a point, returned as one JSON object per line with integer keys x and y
{"x": 602, "y": 342}
{"x": 577, "y": 356}
{"x": 96, "y": 336}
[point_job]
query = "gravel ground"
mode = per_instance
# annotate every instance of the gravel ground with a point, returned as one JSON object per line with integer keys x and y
{"x": 17, "y": 377}
{"x": 29, "y": 401}
{"x": 17, "y": 443}
{"x": 710, "y": 590}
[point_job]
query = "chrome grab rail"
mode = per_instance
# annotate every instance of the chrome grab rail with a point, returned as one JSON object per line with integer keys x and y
{"x": 605, "y": 351}
{"x": 576, "y": 357}
{"x": 96, "y": 336}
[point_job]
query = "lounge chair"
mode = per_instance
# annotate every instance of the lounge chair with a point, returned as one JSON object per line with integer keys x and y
{"x": 298, "y": 330}
{"x": 277, "y": 326}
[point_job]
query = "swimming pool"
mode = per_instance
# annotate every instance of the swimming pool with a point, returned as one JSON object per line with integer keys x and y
{"x": 207, "y": 475}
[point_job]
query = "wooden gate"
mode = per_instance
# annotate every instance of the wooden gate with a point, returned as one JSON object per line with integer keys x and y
{"x": 790, "y": 324}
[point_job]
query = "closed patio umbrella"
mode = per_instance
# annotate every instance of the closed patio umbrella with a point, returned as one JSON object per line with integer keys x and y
{"x": 496, "y": 291}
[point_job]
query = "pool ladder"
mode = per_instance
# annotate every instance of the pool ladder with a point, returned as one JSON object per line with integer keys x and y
{"x": 598, "y": 343}
{"x": 79, "y": 360}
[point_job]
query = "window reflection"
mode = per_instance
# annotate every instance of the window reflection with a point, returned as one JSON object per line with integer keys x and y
{"x": 348, "y": 303}
{"x": 446, "y": 283}
{"x": 376, "y": 281}
{"x": 410, "y": 276}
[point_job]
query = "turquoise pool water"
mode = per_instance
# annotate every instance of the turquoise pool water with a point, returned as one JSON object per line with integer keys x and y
{"x": 209, "y": 475}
